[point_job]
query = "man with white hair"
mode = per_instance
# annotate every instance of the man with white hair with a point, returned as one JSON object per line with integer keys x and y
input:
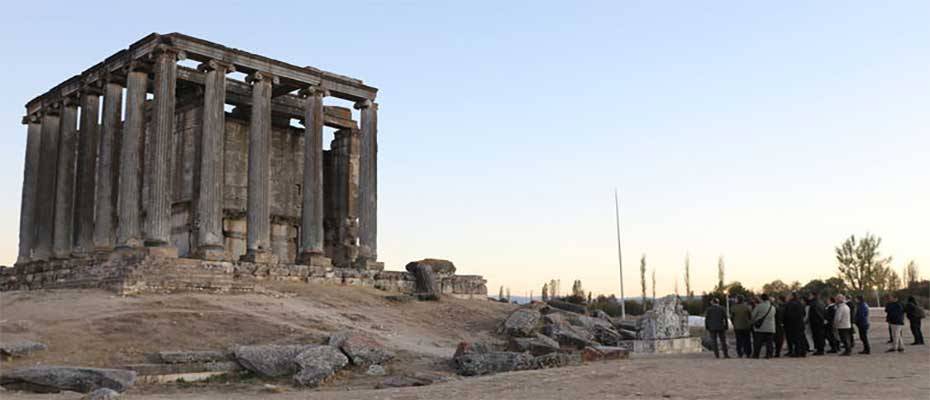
{"x": 843, "y": 324}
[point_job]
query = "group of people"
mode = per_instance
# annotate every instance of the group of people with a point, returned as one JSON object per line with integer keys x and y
{"x": 805, "y": 325}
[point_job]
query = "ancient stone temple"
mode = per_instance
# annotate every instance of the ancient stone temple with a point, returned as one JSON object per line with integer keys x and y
{"x": 160, "y": 157}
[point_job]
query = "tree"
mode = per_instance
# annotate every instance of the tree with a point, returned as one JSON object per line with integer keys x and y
{"x": 577, "y": 290}
{"x": 720, "y": 285}
{"x": 886, "y": 280}
{"x": 589, "y": 297}
{"x": 911, "y": 274}
{"x": 688, "y": 276}
{"x": 553, "y": 289}
{"x": 653, "y": 285}
{"x": 824, "y": 289}
{"x": 545, "y": 292}
{"x": 642, "y": 275}
{"x": 500, "y": 294}
{"x": 736, "y": 288}
{"x": 776, "y": 288}
{"x": 508, "y": 295}
{"x": 860, "y": 264}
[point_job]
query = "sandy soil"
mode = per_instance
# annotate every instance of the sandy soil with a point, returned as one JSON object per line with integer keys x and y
{"x": 96, "y": 328}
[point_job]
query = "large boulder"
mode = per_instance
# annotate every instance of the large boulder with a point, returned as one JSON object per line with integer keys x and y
{"x": 521, "y": 322}
{"x": 537, "y": 346}
{"x": 318, "y": 363}
{"x": 270, "y": 360}
{"x": 425, "y": 282}
{"x": 442, "y": 267}
{"x": 53, "y": 379}
{"x": 471, "y": 364}
{"x": 361, "y": 349}
{"x": 471, "y": 347}
{"x": 21, "y": 348}
{"x": 558, "y": 328}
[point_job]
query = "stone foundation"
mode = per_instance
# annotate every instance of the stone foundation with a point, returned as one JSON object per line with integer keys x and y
{"x": 664, "y": 346}
{"x": 140, "y": 271}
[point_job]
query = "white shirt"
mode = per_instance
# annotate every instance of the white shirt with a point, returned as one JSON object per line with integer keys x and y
{"x": 841, "y": 320}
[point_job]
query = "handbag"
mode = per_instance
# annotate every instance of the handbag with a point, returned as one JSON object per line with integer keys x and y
{"x": 758, "y": 324}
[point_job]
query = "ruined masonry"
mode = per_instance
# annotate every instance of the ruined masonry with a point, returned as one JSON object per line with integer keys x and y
{"x": 143, "y": 174}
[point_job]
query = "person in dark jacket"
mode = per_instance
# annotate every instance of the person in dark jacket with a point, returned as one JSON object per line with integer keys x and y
{"x": 894, "y": 313}
{"x": 861, "y": 321}
{"x": 816, "y": 320}
{"x": 852, "y": 312}
{"x": 794, "y": 326}
{"x": 715, "y": 321}
{"x": 914, "y": 315}
{"x": 779, "y": 325}
{"x": 829, "y": 329}
{"x": 740, "y": 313}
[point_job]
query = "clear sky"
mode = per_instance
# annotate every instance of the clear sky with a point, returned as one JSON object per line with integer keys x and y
{"x": 765, "y": 133}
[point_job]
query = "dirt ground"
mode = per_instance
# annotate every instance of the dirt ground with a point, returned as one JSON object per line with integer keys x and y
{"x": 96, "y": 328}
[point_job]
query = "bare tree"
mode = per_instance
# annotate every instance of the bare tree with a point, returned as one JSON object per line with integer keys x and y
{"x": 545, "y": 292}
{"x": 653, "y": 285}
{"x": 642, "y": 275}
{"x": 911, "y": 274}
{"x": 508, "y": 295}
{"x": 720, "y": 285}
{"x": 500, "y": 294}
{"x": 688, "y": 276}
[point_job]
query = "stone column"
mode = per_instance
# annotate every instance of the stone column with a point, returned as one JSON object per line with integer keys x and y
{"x": 45, "y": 192}
{"x": 86, "y": 173}
{"x": 311, "y": 236}
{"x": 210, "y": 200}
{"x": 64, "y": 185}
{"x": 129, "y": 232}
{"x": 108, "y": 168}
{"x": 30, "y": 179}
{"x": 368, "y": 181}
{"x": 157, "y": 227}
{"x": 258, "y": 241}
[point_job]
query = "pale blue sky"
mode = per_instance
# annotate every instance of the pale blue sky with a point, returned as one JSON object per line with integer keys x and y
{"x": 764, "y": 133}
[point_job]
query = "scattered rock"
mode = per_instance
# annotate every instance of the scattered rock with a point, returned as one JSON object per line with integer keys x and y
{"x": 318, "y": 363}
{"x": 558, "y": 328}
{"x": 21, "y": 348}
{"x": 537, "y": 346}
{"x": 600, "y": 314}
{"x": 102, "y": 394}
{"x": 471, "y": 364}
{"x": 361, "y": 349}
{"x": 557, "y": 360}
{"x": 270, "y": 360}
{"x": 566, "y": 306}
{"x": 53, "y": 379}
{"x": 425, "y": 284}
{"x": 471, "y": 347}
{"x": 601, "y": 353}
{"x": 375, "y": 370}
{"x": 442, "y": 267}
{"x": 521, "y": 322}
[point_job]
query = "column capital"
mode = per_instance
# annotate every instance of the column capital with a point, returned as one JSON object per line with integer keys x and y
{"x": 34, "y": 118}
{"x": 138, "y": 65}
{"x": 53, "y": 107}
{"x": 164, "y": 50}
{"x": 216, "y": 65}
{"x": 314, "y": 90}
{"x": 259, "y": 76}
{"x": 71, "y": 101}
{"x": 92, "y": 88}
{"x": 361, "y": 105}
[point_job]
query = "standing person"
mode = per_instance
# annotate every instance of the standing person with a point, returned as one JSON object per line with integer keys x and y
{"x": 740, "y": 314}
{"x": 888, "y": 319}
{"x": 763, "y": 322}
{"x": 715, "y": 321}
{"x": 914, "y": 315}
{"x": 862, "y": 323}
{"x": 780, "y": 325}
{"x": 816, "y": 320}
{"x": 830, "y": 330}
{"x": 843, "y": 324}
{"x": 894, "y": 313}
{"x": 808, "y": 336}
{"x": 794, "y": 326}
{"x": 852, "y": 312}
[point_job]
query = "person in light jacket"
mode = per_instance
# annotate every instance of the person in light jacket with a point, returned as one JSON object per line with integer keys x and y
{"x": 763, "y": 322}
{"x": 842, "y": 321}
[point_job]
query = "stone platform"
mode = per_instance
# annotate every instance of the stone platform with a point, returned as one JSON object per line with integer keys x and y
{"x": 664, "y": 346}
{"x": 137, "y": 272}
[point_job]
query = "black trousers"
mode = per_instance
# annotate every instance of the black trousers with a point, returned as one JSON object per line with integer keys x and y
{"x": 779, "y": 340}
{"x": 846, "y": 339}
{"x": 760, "y": 339}
{"x": 743, "y": 342}
{"x": 864, "y": 337}
{"x": 915, "y": 330}
{"x": 817, "y": 333}
{"x": 722, "y": 337}
{"x": 797, "y": 342}
{"x": 831, "y": 338}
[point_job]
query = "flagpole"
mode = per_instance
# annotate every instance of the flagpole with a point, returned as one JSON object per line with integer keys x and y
{"x": 619, "y": 255}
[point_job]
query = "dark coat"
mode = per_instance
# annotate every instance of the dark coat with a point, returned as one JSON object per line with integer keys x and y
{"x": 913, "y": 311}
{"x": 894, "y": 313}
{"x": 794, "y": 314}
{"x": 829, "y": 313}
{"x": 816, "y": 316}
{"x": 715, "y": 318}
{"x": 862, "y": 316}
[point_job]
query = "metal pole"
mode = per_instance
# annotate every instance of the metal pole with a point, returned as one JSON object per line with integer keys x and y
{"x": 619, "y": 255}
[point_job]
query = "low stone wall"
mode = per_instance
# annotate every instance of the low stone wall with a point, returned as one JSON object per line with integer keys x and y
{"x": 134, "y": 272}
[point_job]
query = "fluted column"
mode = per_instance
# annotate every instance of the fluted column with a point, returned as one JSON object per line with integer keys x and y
{"x": 311, "y": 232}
{"x": 86, "y": 172}
{"x": 210, "y": 199}
{"x": 108, "y": 168}
{"x": 27, "y": 207}
{"x": 64, "y": 183}
{"x": 129, "y": 232}
{"x": 157, "y": 228}
{"x": 45, "y": 195}
{"x": 368, "y": 181}
{"x": 258, "y": 241}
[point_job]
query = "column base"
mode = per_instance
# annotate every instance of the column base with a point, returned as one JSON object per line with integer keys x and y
{"x": 130, "y": 244}
{"x": 368, "y": 265}
{"x": 259, "y": 257}
{"x": 314, "y": 259}
{"x": 82, "y": 253}
{"x": 102, "y": 250}
{"x": 162, "y": 251}
{"x": 211, "y": 253}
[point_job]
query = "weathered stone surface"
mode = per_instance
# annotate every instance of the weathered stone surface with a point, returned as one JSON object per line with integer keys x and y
{"x": 21, "y": 348}
{"x": 375, "y": 370}
{"x": 557, "y": 360}
{"x": 360, "y": 348}
{"x": 558, "y": 328}
{"x": 667, "y": 320}
{"x": 426, "y": 285}
{"x": 270, "y": 360}
{"x": 442, "y": 267}
{"x": 471, "y": 347}
{"x": 53, "y": 379}
{"x": 522, "y": 322}
{"x": 318, "y": 363}
{"x": 566, "y": 306}
{"x": 537, "y": 346}
{"x": 102, "y": 394}
{"x": 600, "y": 353}
{"x": 178, "y": 357}
{"x": 471, "y": 364}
